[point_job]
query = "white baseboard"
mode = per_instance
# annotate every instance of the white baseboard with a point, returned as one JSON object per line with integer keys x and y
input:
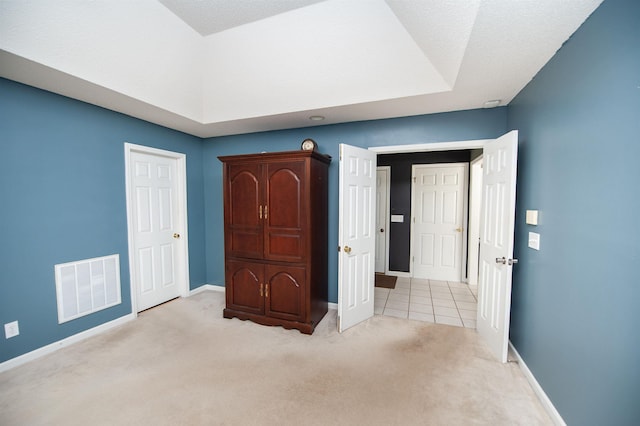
{"x": 206, "y": 287}
{"x": 46, "y": 350}
{"x": 544, "y": 399}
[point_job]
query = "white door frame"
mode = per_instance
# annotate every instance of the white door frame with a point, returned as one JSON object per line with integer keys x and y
{"x": 387, "y": 206}
{"x": 465, "y": 215}
{"x": 475, "y": 196}
{"x": 182, "y": 254}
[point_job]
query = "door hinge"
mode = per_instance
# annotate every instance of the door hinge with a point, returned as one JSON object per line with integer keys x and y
{"x": 340, "y": 152}
{"x": 414, "y": 179}
{"x": 338, "y": 323}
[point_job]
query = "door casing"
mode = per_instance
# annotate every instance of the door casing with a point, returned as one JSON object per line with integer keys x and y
{"x": 385, "y": 205}
{"x": 182, "y": 252}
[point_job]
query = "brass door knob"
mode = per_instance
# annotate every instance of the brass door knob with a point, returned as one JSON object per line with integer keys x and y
{"x": 347, "y": 249}
{"x": 176, "y": 235}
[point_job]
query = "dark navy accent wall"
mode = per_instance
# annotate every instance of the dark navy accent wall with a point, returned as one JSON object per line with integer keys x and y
{"x": 400, "y": 198}
{"x": 62, "y": 186}
{"x": 575, "y": 302}
{"x": 455, "y": 126}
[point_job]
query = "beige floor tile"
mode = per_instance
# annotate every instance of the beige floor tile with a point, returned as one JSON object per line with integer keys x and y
{"x": 420, "y": 308}
{"x": 420, "y": 299}
{"x": 398, "y": 297}
{"x": 449, "y": 312}
{"x": 448, "y": 320}
{"x": 464, "y": 314}
{"x": 467, "y": 305}
{"x": 395, "y": 313}
{"x": 397, "y": 305}
{"x": 426, "y": 317}
{"x": 444, "y": 303}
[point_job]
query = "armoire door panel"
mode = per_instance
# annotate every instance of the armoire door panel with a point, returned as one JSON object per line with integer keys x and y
{"x": 243, "y": 218}
{"x": 244, "y": 285}
{"x": 285, "y": 220}
{"x": 284, "y": 194}
{"x": 285, "y": 247}
{"x": 286, "y": 293}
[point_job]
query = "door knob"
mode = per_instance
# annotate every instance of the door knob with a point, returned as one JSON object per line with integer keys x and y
{"x": 502, "y": 260}
{"x": 381, "y": 230}
{"x": 513, "y": 261}
{"x": 176, "y": 235}
{"x": 347, "y": 249}
{"x": 459, "y": 229}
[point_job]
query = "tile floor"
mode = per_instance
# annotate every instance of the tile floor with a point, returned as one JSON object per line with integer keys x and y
{"x": 442, "y": 302}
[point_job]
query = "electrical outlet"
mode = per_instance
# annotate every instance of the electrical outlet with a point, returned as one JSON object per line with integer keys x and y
{"x": 11, "y": 329}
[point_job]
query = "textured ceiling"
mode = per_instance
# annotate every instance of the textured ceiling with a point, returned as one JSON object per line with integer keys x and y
{"x": 222, "y": 67}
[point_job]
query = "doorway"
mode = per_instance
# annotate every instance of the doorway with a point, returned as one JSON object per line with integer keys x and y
{"x": 383, "y": 176}
{"x": 157, "y": 225}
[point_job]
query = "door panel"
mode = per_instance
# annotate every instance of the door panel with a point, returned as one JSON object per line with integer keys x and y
{"x": 497, "y": 224}
{"x": 356, "y": 235}
{"x": 244, "y": 286}
{"x": 285, "y": 215}
{"x": 438, "y": 216}
{"x": 285, "y": 295}
{"x": 244, "y": 235}
{"x": 154, "y": 214}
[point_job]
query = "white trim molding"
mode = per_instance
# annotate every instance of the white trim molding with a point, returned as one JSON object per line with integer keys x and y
{"x": 537, "y": 389}
{"x": 206, "y": 287}
{"x": 68, "y": 341}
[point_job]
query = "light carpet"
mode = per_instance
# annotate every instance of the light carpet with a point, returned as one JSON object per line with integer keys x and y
{"x": 183, "y": 364}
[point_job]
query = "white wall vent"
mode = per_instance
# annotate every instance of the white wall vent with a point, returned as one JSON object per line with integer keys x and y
{"x": 87, "y": 286}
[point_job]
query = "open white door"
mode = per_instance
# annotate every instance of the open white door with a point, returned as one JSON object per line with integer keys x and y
{"x": 497, "y": 223}
{"x": 357, "y": 240}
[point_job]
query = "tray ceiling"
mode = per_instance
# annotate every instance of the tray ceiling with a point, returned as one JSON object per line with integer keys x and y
{"x": 220, "y": 67}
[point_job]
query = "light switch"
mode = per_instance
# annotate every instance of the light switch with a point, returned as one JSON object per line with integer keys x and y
{"x": 534, "y": 240}
{"x": 532, "y": 217}
{"x": 398, "y": 218}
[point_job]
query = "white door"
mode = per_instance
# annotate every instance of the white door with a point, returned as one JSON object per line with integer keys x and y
{"x": 438, "y": 202}
{"x": 156, "y": 234}
{"x": 357, "y": 240}
{"x": 382, "y": 210}
{"x": 496, "y": 242}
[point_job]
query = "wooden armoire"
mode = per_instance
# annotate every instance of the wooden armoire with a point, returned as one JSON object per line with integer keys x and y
{"x": 275, "y": 238}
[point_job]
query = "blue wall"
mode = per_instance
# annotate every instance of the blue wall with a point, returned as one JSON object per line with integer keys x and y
{"x": 576, "y": 301}
{"x": 62, "y": 186}
{"x": 455, "y": 126}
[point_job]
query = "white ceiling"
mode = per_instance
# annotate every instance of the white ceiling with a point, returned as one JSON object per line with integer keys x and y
{"x": 221, "y": 67}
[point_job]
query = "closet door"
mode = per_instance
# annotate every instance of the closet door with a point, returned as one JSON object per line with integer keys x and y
{"x": 244, "y": 211}
{"x": 286, "y": 211}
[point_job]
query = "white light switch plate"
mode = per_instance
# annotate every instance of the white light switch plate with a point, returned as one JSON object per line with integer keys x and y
{"x": 11, "y": 329}
{"x": 532, "y": 217}
{"x": 534, "y": 240}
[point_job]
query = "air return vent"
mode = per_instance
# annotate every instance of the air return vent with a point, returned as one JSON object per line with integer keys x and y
{"x": 87, "y": 286}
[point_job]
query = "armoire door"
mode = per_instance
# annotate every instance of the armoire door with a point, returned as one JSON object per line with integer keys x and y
{"x": 285, "y": 214}
{"x": 285, "y": 292}
{"x": 244, "y": 211}
{"x": 244, "y": 286}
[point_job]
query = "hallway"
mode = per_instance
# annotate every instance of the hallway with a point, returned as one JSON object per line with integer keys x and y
{"x": 441, "y": 302}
